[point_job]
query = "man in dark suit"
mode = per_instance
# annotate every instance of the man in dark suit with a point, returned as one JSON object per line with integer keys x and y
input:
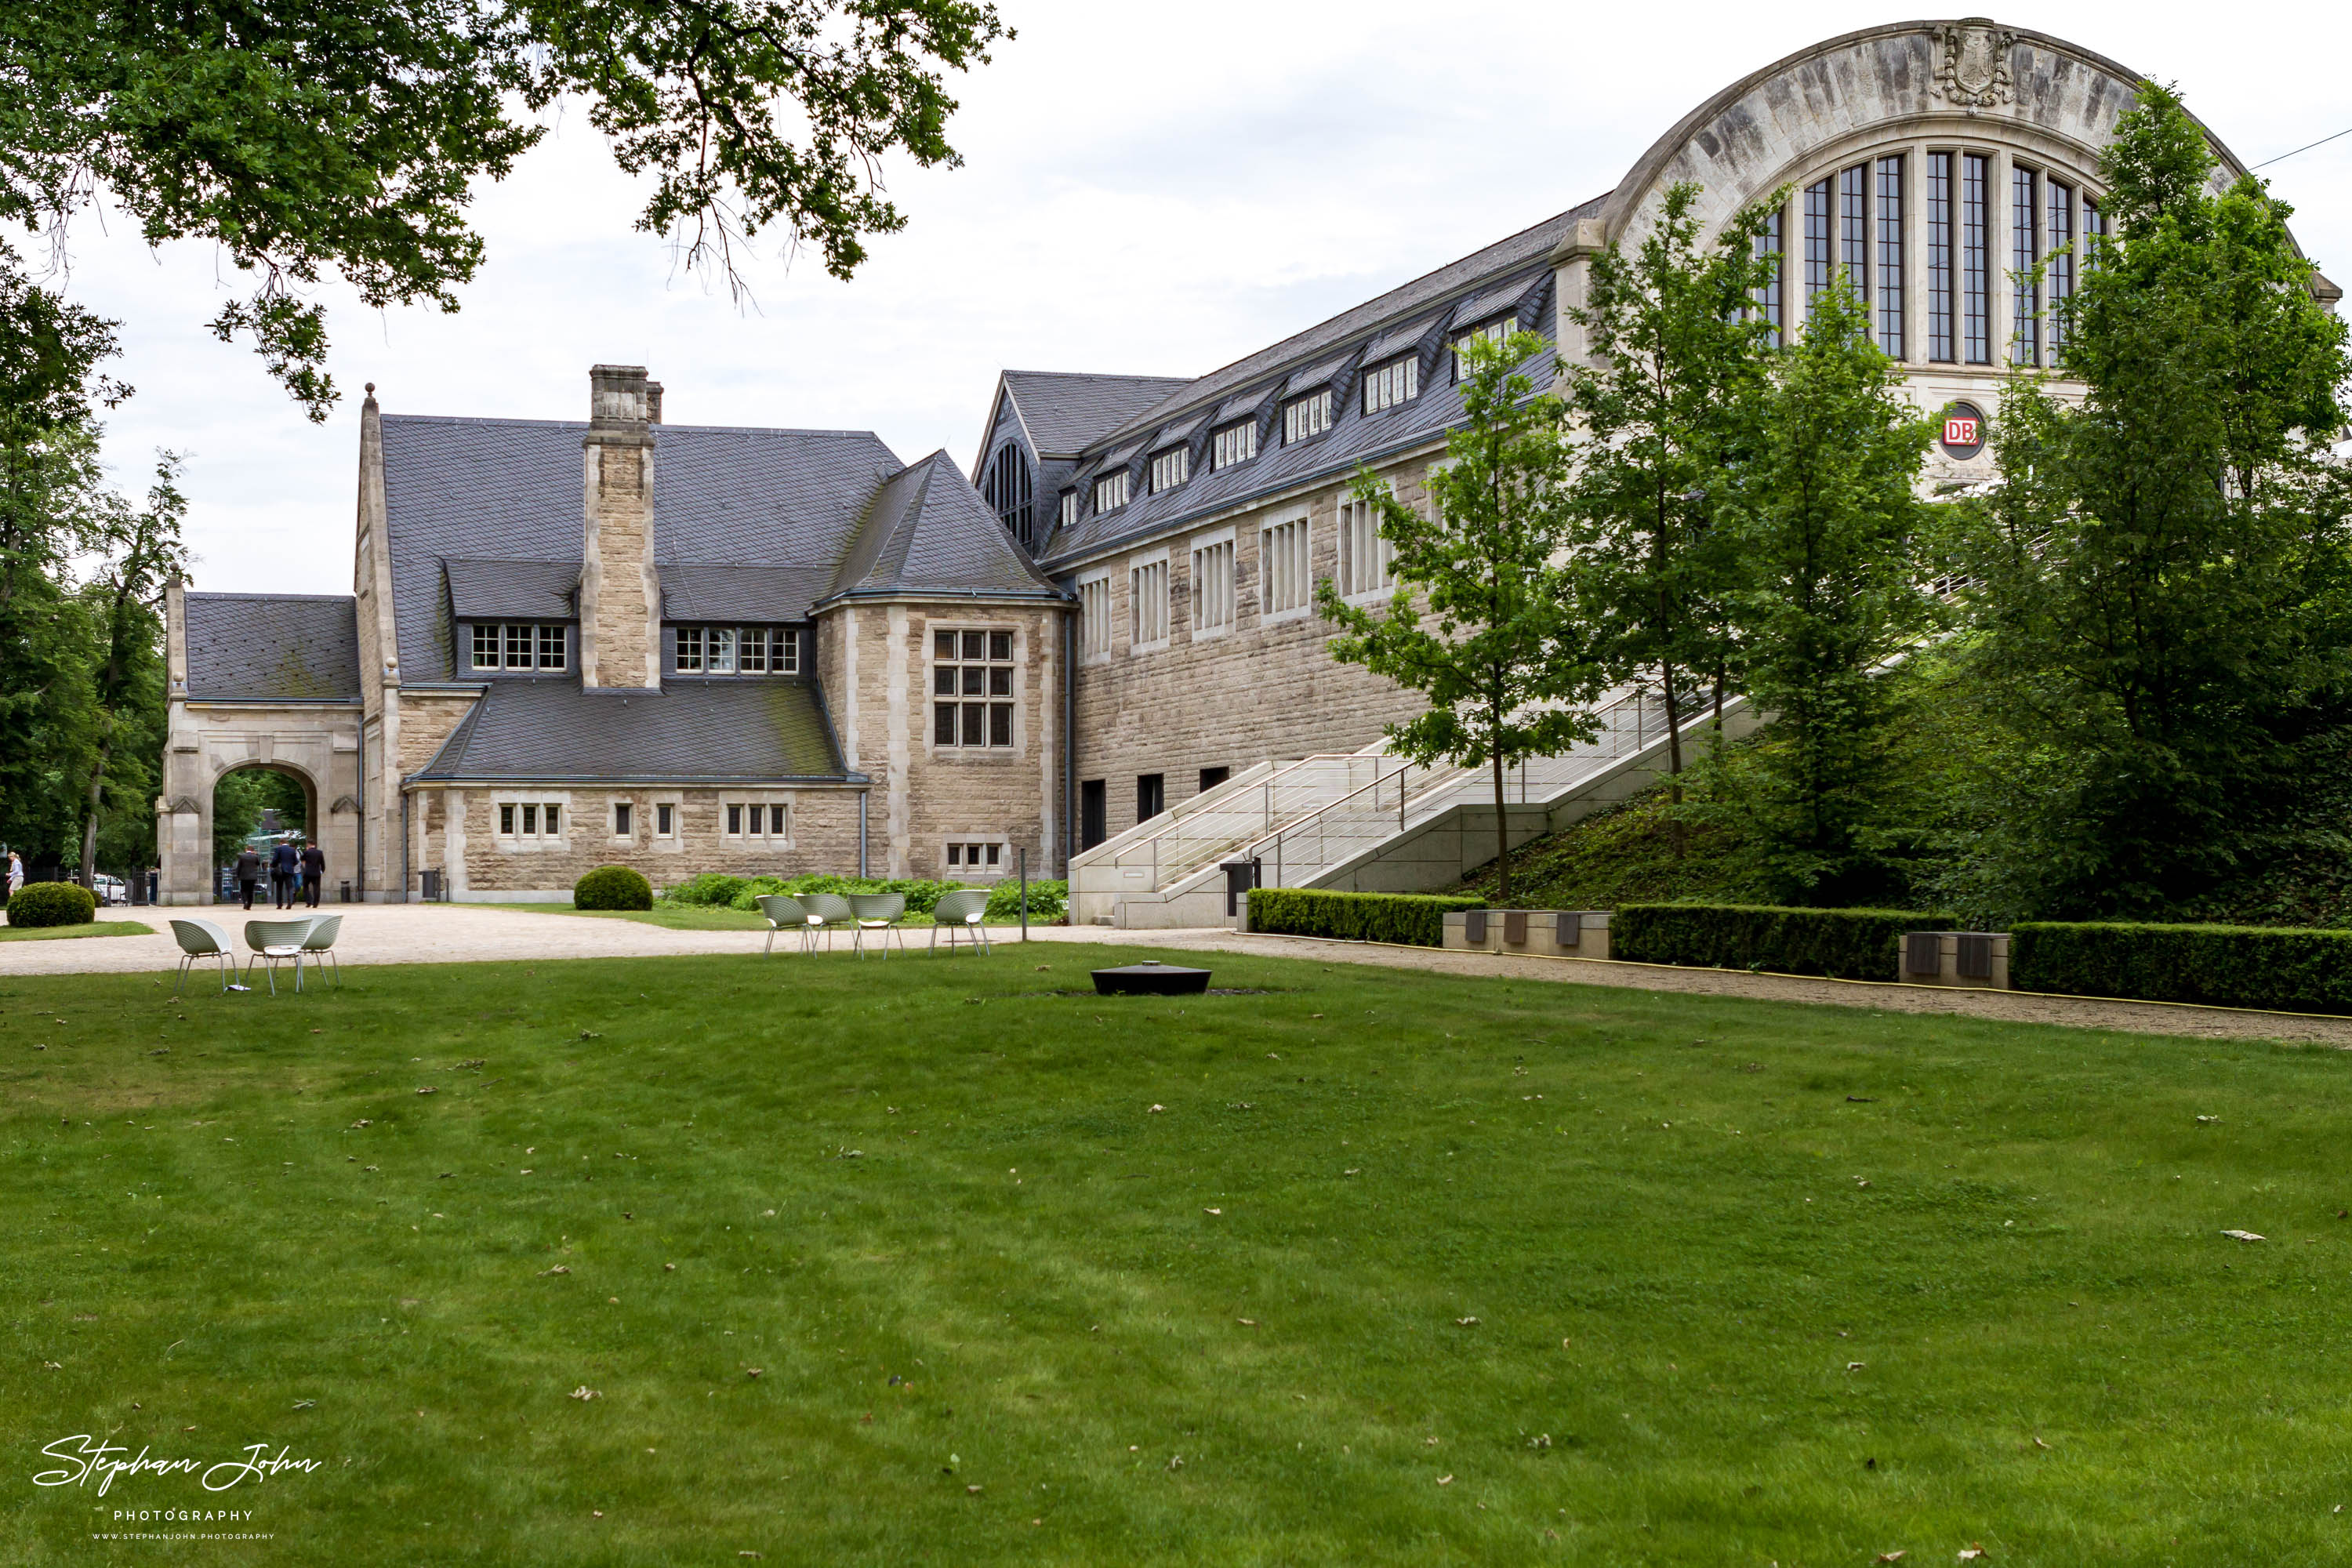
{"x": 282, "y": 862}
{"x": 248, "y": 872}
{"x": 314, "y": 872}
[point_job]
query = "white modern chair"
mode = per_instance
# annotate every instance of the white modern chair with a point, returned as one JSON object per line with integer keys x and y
{"x": 320, "y": 945}
{"x": 962, "y": 911}
{"x": 783, "y": 913}
{"x": 275, "y": 943}
{"x": 879, "y": 913}
{"x": 202, "y": 939}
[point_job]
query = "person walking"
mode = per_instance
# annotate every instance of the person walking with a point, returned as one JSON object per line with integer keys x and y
{"x": 314, "y": 871}
{"x": 282, "y": 863}
{"x": 248, "y": 872}
{"x": 16, "y": 873}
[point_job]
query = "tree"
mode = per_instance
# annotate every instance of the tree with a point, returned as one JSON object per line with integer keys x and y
{"x": 2158, "y": 610}
{"x": 1503, "y": 650}
{"x": 349, "y": 137}
{"x": 123, "y": 604}
{"x": 1824, "y": 517}
{"x": 1675, "y": 349}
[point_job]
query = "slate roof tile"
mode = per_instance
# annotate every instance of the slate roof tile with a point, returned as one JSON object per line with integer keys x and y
{"x": 709, "y": 731}
{"x": 283, "y": 648}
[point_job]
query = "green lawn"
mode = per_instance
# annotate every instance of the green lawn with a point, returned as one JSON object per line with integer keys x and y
{"x": 94, "y": 928}
{"x": 674, "y": 917}
{"x": 1378, "y": 1268}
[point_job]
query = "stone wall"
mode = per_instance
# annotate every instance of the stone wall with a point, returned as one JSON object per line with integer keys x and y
{"x": 875, "y": 662}
{"x": 458, "y": 831}
{"x": 1265, "y": 689}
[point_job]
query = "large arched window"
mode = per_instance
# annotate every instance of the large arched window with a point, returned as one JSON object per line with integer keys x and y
{"x": 1005, "y": 487}
{"x": 1932, "y": 235}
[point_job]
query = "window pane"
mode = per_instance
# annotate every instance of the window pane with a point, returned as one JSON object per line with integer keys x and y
{"x": 2025, "y": 304}
{"x": 2059, "y": 241}
{"x": 531, "y": 819}
{"x": 943, "y": 680}
{"x": 1854, "y": 229}
{"x": 1000, "y": 644}
{"x": 486, "y": 648}
{"x": 1768, "y": 297}
{"x": 785, "y": 655}
{"x": 751, "y": 650}
{"x": 689, "y": 650}
{"x": 972, "y": 679}
{"x": 1939, "y": 257}
{"x": 1817, "y": 241}
{"x": 551, "y": 828}
{"x": 943, "y": 722}
{"x": 735, "y": 820}
{"x": 776, "y": 820}
{"x": 992, "y": 854}
{"x": 551, "y": 647}
{"x": 976, "y": 645}
{"x": 518, "y": 641}
{"x": 1889, "y": 218}
{"x": 943, "y": 645}
{"x": 1976, "y": 293}
{"x": 719, "y": 650}
{"x": 621, "y": 820}
{"x": 661, "y": 820}
{"x": 1000, "y": 723}
{"x": 955, "y": 854}
{"x": 1000, "y": 682}
{"x": 505, "y": 820}
{"x": 975, "y": 722}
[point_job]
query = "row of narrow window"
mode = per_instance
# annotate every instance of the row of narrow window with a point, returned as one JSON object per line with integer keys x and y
{"x": 1854, "y": 221}
{"x": 1388, "y": 385}
{"x": 1287, "y": 582}
{"x": 545, "y": 819}
{"x": 701, "y": 650}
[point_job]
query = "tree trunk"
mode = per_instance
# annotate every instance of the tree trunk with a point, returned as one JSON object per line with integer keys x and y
{"x": 1674, "y": 832}
{"x": 90, "y": 822}
{"x": 1502, "y": 836}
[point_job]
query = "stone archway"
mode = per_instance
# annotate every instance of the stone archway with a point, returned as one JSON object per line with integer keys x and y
{"x": 316, "y": 745}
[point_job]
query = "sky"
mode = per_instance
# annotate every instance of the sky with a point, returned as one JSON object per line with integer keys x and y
{"x": 1148, "y": 190}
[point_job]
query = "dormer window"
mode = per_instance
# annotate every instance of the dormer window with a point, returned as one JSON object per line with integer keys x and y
{"x": 1111, "y": 491}
{"x": 1386, "y": 385}
{"x": 519, "y": 644}
{"x": 1497, "y": 331}
{"x": 1307, "y": 416}
{"x": 737, "y": 650}
{"x": 1233, "y": 444}
{"x": 1170, "y": 469}
{"x": 1068, "y": 515}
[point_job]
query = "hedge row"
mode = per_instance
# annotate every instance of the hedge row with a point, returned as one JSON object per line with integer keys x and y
{"x": 1848, "y": 944}
{"x": 2227, "y": 966}
{"x": 1414, "y": 918}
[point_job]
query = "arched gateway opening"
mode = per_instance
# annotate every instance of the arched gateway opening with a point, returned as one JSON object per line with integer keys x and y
{"x": 259, "y": 806}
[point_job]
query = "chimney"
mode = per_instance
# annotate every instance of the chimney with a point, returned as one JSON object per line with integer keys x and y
{"x": 620, "y": 594}
{"x": 653, "y": 403}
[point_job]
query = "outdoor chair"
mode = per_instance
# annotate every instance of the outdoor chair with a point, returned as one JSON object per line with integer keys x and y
{"x": 827, "y": 912}
{"x": 321, "y": 945}
{"x": 962, "y": 911}
{"x": 784, "y": 913}
{"x": 879, "y": 913}
{"x": 274, "y": 942}
{"x": 202, "y": 939}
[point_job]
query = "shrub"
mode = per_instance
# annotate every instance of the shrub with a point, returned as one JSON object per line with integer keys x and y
{"x": 1417, "y": 920}
{"x": 613, "y": 887}
{"x": 921, "y": 897}
{"x": 714, "y": 887}
{"x": 1848, "y": 944}
{"x": 51, "y": 904}
{"x": 2227, "y": 966}
{"x": 1047, "y": 900}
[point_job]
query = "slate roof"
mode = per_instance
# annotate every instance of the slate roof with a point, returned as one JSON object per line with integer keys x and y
{"x": 278, "y": 648}
{"x": 691, "y": 731}
{"x": 929, "y": 531}
{"x": 700, "y": 593}
{"x": 466, "y": 489}
{"x": 1513, "y": 271}
{"x": 1065, "y": 414}
{"x": 520, "y": 590}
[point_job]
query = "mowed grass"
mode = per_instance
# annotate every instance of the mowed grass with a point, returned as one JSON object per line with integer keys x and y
{"x": 91, "y": 928}
{"x": 1374, "y": 1268}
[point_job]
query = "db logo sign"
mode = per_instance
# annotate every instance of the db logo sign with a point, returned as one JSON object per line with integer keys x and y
{"x": 1964, "y": 430}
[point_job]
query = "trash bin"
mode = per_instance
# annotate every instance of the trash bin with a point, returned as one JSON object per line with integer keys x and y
{"x": 347, "y": 889}
{"x": 431, "y": 891}
{"x": 1241, "y": 876}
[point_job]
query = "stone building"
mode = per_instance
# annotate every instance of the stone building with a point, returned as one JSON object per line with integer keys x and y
{"x": 692, "y": 648}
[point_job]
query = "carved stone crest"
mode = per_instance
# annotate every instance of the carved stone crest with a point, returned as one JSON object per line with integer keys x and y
{"x": 1975, "y": 68}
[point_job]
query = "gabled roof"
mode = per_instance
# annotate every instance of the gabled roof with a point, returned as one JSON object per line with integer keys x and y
{"x": 471, "y": 489}
{"x": 273, "y": 647}
{"x": 1065, "y": 412}
{"x": 928, "y": 531}
{"x": 703, "y": 732}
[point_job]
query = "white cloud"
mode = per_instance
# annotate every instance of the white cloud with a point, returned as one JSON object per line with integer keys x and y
{"x": 1157, "y": 191}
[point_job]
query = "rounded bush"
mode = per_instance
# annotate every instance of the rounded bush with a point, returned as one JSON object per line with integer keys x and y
{"x": 51, "y": 904}
{"x": 611, "y": 888}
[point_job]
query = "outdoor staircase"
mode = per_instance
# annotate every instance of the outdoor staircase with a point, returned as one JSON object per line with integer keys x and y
{"x": 1364, "y": 821}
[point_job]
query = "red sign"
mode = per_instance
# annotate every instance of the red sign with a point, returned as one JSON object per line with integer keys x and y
{"x": 1962, "y": 430}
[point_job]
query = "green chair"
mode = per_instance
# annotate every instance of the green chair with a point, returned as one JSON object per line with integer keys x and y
{"x": 960, "y": 911}
{"x": 827, "y": 912}
{"x": 879, "y": 913}
{"x": 785, "y": 914}
{"x": 202, "y": 939}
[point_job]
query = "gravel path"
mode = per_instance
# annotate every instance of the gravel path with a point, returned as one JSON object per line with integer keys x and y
{"x": 455, "y": 934}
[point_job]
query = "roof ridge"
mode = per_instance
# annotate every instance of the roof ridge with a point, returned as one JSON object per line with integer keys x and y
{"x": 313, "y": 598}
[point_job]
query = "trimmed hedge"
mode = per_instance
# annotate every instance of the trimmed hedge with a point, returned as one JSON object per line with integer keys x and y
{"x": 1414, "y": 919}
{"x": 1846, "y": 944}
{"x": 2228, "y": 966}
{"x": 51, "y": 904}
{"x": 613, "y": 887}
